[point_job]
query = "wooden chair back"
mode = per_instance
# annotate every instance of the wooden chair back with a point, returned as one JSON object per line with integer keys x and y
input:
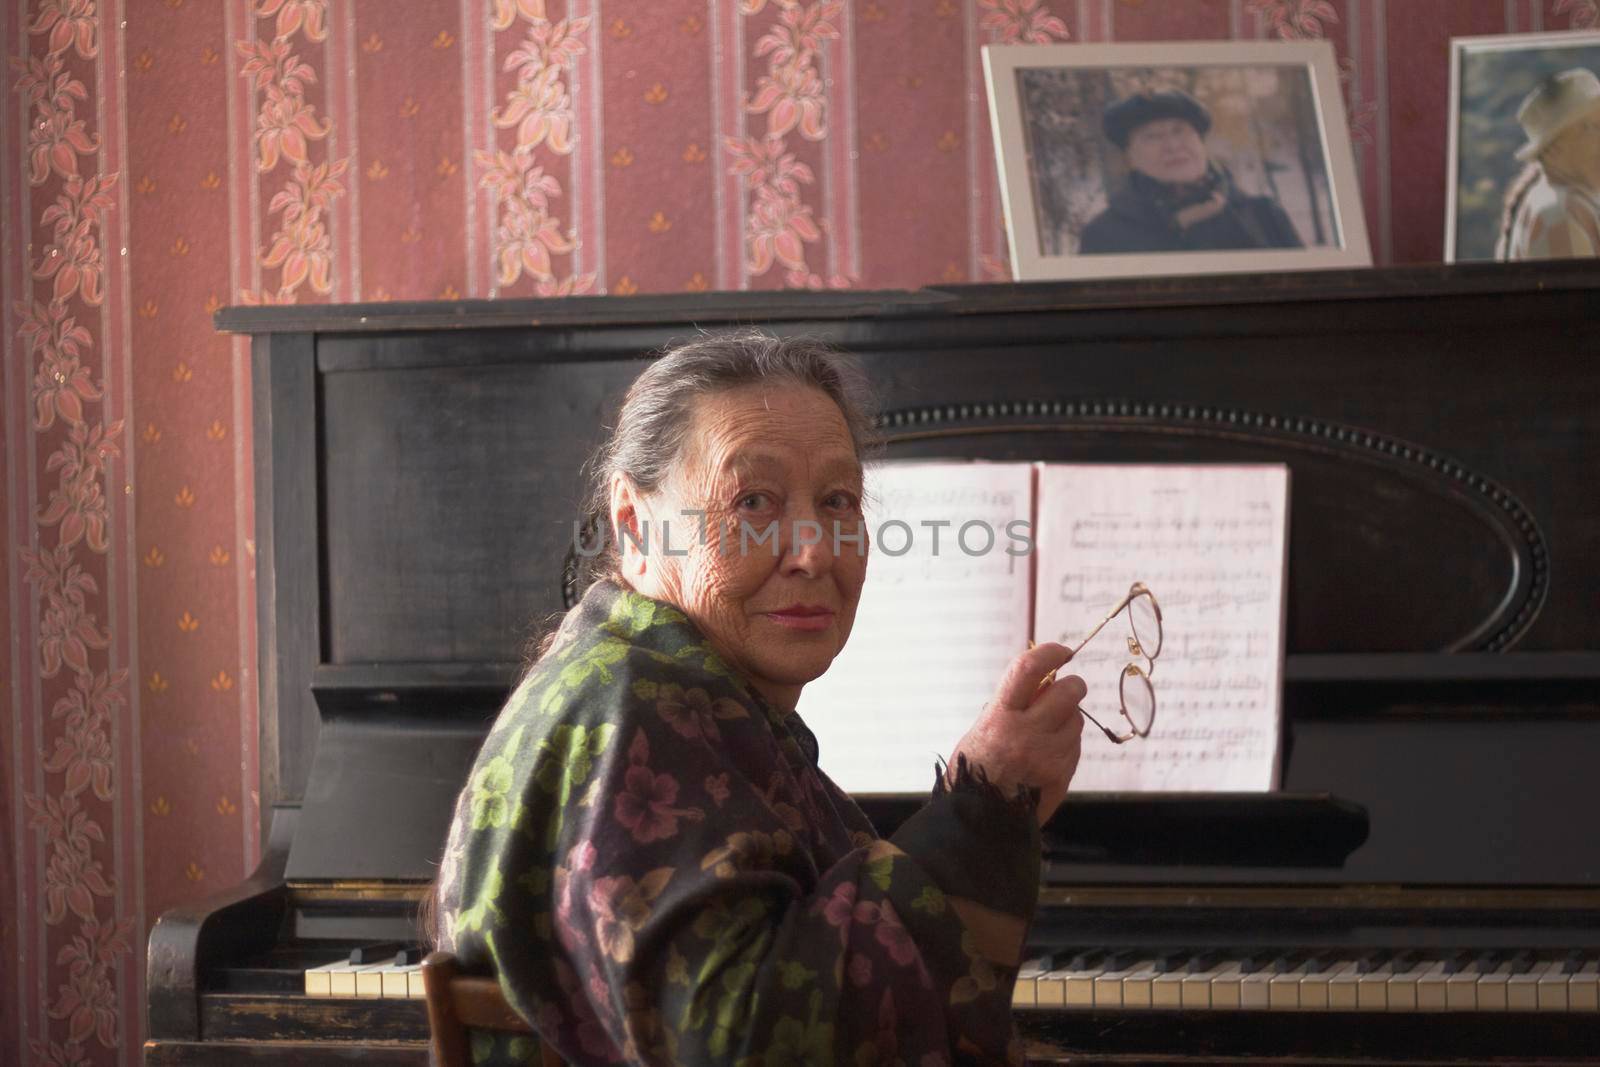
{"x": 457, "y": 1002}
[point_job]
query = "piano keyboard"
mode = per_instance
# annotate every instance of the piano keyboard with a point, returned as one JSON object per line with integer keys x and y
{"x": 1503, "y": 981}
{"x": 365, "y": 974}
{"x": 1498, "y": 981}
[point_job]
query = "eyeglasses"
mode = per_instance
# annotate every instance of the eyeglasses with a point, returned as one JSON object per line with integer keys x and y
{"x": 1137, "y": 695}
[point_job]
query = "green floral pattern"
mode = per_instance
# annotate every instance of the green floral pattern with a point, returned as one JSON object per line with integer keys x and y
{"x": 648, "y": 857}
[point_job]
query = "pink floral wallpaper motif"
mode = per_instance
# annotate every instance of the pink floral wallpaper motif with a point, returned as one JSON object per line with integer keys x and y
{"x": 175, "y": 156}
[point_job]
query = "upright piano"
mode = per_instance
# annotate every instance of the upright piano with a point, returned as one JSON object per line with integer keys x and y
{"x": 1423, "y": 887}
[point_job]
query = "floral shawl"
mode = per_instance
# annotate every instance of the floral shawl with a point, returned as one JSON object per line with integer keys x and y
{"x": 648, "y": 857}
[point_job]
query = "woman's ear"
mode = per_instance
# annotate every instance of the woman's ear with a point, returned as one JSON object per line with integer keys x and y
{"x": 632, "y": 530}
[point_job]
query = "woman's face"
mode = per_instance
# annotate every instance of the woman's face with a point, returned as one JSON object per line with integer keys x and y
{"x": 770, "y": 584}
{"x": 1168, "y": 150}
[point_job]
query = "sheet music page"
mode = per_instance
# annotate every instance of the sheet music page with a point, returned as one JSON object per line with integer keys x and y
{"x": 934, "y": 630}
{"x": 1209, "y": 542}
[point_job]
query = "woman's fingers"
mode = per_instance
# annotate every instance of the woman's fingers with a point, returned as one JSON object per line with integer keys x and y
{"x": 1022, "y": 677}
{"x": 1068, "y": 692}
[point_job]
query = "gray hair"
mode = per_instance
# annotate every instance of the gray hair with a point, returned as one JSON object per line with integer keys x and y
{"x": 652, "y": 427}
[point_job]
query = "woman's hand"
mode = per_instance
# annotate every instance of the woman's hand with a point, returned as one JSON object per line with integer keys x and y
{"x": 1030, "y": 735}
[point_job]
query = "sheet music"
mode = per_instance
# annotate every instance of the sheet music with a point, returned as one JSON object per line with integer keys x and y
{"x": 1209, "y": 542}
{"x": 933, "y": 632}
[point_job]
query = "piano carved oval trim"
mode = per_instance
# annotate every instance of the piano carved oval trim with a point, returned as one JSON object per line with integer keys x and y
{"x": 1501, "y": 510}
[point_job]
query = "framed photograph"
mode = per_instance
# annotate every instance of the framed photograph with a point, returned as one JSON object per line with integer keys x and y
{"x": 1524, "y": 163}
{"x": 1184, "y": 158}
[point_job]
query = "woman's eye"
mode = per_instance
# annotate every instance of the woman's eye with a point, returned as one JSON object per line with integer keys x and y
{"x": 752, "y": 501}
{"x": 841, "y": 502}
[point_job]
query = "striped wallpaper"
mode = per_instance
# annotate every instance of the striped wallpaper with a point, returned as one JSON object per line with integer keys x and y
{"x": 162, "y": 158}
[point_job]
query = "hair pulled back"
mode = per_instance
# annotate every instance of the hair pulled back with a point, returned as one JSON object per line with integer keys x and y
{"x": 651, "y": 435}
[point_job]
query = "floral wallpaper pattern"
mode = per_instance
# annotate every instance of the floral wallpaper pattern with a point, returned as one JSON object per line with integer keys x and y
{"x": 165, "y": 158}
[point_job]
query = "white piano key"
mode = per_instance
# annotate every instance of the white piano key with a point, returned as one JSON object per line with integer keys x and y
{"x": 1344, "y": 988}
{"x": 1522, "y": 990}
{"x": 1372, "y": 988}
{"x": 1553, "y": 988}
{"x": 1195, "y": 989}
{"x": 1491, "y": 989}
{"x": 1225, "y": 985}
{"x": 1067, "y": 987}
{"x": 1050, "y": 989}
{"x": 1461, "y": 988}
{"x": 1136, "y": 987}
{"x": 1166, "y": 990}
{"x": 1583, "y": 988}
{"x": 318, "y": 980}
{"x": 371, "y": 981}
{"x": 343, "y": 978}
{"x": 1431, "y": 989}
{"x": 1024, "y": 993}
{"x": 1254, "y": 991}
{"x": 396, "y": 980}
{"x": 1077, "y": 986}
{"x": 1316, "y": 989}
{"x": 415, "y": 990}
{"x": 1401, "y": 988}
{"x": 1283, "y": 990}
{"x": 1108, "y": 984}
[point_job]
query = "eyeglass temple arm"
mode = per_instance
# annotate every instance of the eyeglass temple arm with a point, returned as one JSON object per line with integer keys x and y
{"x": 1101, "y": 625}
{"x": 1115, "y": 740}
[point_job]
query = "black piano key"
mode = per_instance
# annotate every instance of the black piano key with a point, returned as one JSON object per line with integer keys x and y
{"x": 1205, "y": 961}
{"x": 1371, "y": 961}
{"x": 1287, "y": 962}
{"x": 1168, "y": 960}
{"x": 408, "y": 957}
{"x": 1522, "y": 962}
{"x": 1368, "y": 962}
{"x": 379, "y": 952}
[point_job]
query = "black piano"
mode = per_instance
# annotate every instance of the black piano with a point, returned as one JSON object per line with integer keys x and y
{"x": 1421, "y": 890}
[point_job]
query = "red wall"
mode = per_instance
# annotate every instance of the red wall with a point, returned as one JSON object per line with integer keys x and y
{"x": 206, "y": 153}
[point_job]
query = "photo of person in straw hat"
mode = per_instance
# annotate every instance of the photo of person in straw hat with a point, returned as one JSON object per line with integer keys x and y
{"x": 1552, "y": 210}
{"x": 1524, "y": 163}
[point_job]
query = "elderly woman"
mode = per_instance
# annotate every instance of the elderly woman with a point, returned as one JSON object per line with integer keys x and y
{"x": 647, "y": 852}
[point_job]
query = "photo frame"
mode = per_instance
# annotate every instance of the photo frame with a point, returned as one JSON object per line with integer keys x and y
{"x": 1503, "y": 200}
{"x": 1120, "y": 160}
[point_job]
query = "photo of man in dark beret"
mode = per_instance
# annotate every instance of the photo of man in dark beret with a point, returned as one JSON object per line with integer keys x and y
{"x": 1177, "y": 199}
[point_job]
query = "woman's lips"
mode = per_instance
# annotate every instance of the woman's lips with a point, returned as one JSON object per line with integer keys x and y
{"x": 808, "y": 619}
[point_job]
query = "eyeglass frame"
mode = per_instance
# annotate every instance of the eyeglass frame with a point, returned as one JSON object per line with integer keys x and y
{"x": 1137, "y": 589}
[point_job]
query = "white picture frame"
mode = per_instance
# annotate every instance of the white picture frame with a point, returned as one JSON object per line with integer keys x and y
{"x": 1480, "y": 165}
{"x": 1048, "y": 103}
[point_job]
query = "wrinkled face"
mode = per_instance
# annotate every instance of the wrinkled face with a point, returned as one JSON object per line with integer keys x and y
{"x": 770, "y": 585}
{"x": 1168, "y": 150}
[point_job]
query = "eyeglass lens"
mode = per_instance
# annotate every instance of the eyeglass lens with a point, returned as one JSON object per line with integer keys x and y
{"x": 1138, "y": 699}
{"x": 1146, "y": 622}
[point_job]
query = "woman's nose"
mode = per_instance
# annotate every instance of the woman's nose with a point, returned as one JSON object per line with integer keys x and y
{"x": 807, "y": 549}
